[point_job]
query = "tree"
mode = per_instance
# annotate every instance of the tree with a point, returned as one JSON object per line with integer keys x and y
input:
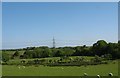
{"x": 108, "y": 56}
{"x": 77, "y": 51}
{"x": 85, "y": 51}
{"x": 68, "y": 51}
{"x": 54, "y": 52}
{"x": 5, "y": 57}
{"x": 16, "y": 54}
{"x": 112, "y": 49}
{"x": 38, "y": 52}
{"x": 46, "y": 52}
{"x": 99, "y": 48}
{"x": 28, "y": 54}
{"x": 59, "y": 53}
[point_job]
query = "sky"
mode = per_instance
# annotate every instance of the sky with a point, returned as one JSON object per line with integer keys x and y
{"x": 119, "y": 21}
{"x": 60, "y": 0}
{"x": 0, "y": 25}
{"x": 70, "y": 23}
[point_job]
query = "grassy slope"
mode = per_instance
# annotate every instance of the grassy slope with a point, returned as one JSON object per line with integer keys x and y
{"x": 61, "y": 71}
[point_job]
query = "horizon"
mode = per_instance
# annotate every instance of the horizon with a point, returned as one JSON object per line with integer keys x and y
{"x": 52, "y": 46}
{"x": 34, "y": 24}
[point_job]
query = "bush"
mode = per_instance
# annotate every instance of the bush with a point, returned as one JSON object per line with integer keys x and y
{"x": 5, "y": 57}
{"x": 97, "y": 59}
{"x": 30, "y": 63}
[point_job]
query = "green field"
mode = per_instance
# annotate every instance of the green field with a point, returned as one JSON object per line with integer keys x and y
{"x": 102, "y": 70}
{"x": 91, "y": 70}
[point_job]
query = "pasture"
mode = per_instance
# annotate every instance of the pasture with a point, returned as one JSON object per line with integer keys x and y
{"x": 91, "y": 70}
{"x": 32, "y": 70}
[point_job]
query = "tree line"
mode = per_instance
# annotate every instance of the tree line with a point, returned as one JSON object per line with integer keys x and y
{"x": 101, "y": 48}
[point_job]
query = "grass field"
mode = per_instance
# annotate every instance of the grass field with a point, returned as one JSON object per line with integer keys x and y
{"x": 13, "y": 70}
{"x": 102, "y": 70}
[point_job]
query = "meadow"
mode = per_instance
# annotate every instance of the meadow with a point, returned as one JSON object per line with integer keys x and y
{"x": 91, "y": 70}
{"x": 65, "y": 61}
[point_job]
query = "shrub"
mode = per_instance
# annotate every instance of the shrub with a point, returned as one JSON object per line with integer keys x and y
{"x": 30, "y": 62}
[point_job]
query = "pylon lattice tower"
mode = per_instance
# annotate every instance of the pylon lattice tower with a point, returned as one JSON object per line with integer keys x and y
{"x": 53, "y": 42}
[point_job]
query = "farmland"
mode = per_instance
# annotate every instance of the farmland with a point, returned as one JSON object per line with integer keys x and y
{"x": 60, "y": 70}
{"x": 101, "y": 58}
{"x": 40, "y": 70}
